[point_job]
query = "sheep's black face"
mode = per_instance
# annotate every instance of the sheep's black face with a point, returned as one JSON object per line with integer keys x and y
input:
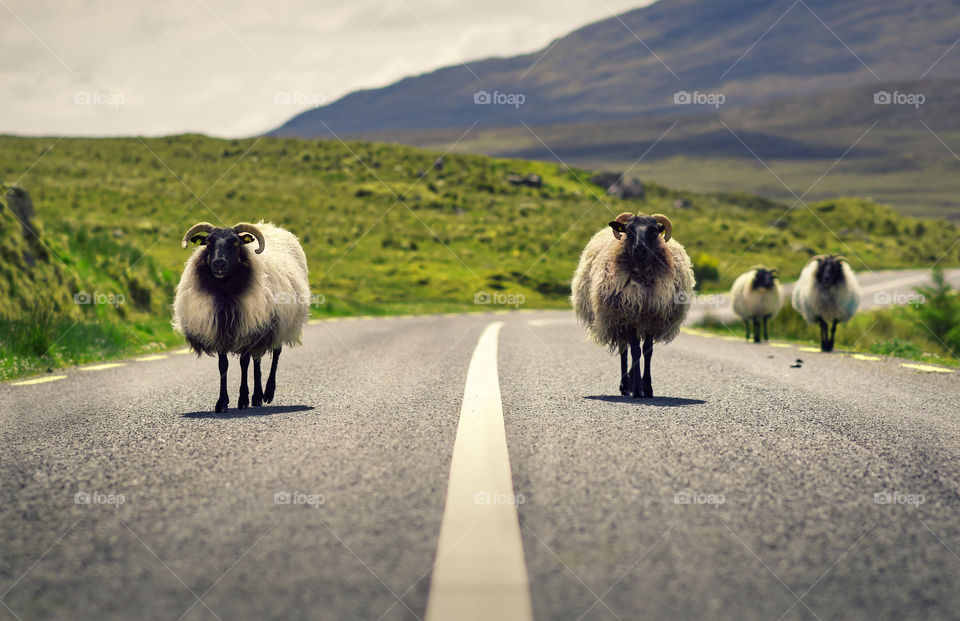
{"x": 764, "y": 278}
{"x": 224, "y": 248}
{"x": 830, "y": 272}
{"x": 643, "y": 241}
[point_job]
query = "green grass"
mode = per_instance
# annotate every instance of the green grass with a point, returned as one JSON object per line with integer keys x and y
{"x": 384, "y": 232}
{"x": 41, "y": 341}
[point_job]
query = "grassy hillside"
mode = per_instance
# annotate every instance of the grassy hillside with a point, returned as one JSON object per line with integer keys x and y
{"x": 898, "y": 159}
{"x": 384, "y": 230}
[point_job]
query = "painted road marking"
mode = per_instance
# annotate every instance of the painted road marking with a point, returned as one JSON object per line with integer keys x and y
{"x": 730, "y": 338}
{"x": 480, "y": 572}
{"x": 39, "y": 380}
{"x": 865, "y": 357}
{"x": 101, "y": 367}
{"x": 151, "y": 358}
{"x": 812, "y": 350}
{"x": 926, "y": 368}
{"x": 780, "y": 345}
{"x": 180, "y": 352}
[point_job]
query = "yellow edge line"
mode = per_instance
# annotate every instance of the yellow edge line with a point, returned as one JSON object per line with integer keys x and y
{"x": 101, "y": 367}
{"x": 39, "y": 380}
{"x": 925, "y": 367}
{"x": 151, "y": 358}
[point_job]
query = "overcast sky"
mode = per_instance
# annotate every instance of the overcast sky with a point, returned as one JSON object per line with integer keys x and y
{"x": 233, "y": 68}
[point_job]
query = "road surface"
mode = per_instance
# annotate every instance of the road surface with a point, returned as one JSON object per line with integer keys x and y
{"x": 749, "y": 488}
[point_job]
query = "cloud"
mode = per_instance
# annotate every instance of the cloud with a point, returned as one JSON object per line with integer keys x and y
{"x": 217, "y": 66}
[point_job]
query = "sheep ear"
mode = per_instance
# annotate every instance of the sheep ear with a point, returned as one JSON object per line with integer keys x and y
{"x": 247, "y": 238}
{"x": 199, "y": 239}
{"x": 617, "y": 227}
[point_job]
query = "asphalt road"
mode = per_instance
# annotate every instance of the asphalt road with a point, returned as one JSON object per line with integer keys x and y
{"x": 748, "y": 489}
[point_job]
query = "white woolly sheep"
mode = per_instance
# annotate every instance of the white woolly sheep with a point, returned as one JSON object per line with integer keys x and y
{"x": 634, "y": 283}
{"x": 827, "y": 292}
{"x": 757, "y": 298}
{"x": 231, "y": 300}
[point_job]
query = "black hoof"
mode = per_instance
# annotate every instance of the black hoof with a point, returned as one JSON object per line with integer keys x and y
{"x": 257, "y": 399}
{"x": 221, "y": 406}
{"x": 268, "y": 394}
{"x": 243, "y": 402}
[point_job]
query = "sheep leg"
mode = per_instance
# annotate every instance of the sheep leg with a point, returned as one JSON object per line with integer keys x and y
{"x": 244, "y": 400}
{"x": 647, "y": 355}
{"x": 766, "y": 337}
{"x": 824, "y": 340}
{"x": 833, "y": 334}
{"x": 636, "y": 391}
{"x": 756, "y": 329}
{"x": 272, "y": 380}
{"x": 257, "y": 385}
{"x": 624, "y": 374}
{"x": 746, "y": 322}
{"x": 224, "y": 400}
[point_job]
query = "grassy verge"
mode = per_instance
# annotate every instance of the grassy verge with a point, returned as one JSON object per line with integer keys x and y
{"x": 41, "y": 342}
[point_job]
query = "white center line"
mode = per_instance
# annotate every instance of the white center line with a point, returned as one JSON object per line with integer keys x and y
{"x": 480, "y": 572}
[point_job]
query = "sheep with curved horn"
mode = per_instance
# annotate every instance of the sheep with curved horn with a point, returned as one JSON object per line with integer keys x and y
{"x": 231, "y": 300}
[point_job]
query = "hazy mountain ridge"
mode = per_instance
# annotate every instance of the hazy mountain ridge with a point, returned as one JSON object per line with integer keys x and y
{"x": 604, "y": 71}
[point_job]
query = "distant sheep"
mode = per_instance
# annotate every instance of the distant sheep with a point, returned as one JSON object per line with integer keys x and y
{"x": 757, "y": 298}
{"x": 633, "y": 283}
{"x": 231, "y": 300}
{"x": 827, "y": 293}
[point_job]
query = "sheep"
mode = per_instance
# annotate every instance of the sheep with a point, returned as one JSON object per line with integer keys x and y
{"x": 231, "y": 300}
{"x": 827, "y": 292}
{"x": 636, "y": 283}
{"x": 757, "y": 297}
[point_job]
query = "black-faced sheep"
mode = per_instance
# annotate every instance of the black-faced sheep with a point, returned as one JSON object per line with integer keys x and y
{"x": 633, "y": 282}
{"x": 827, "y": 293}
{"x": 757, "y": 298}
{"x": 233, "y": 300}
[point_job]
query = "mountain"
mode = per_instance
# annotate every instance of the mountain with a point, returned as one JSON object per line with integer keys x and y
{"x": 633, "y": 65}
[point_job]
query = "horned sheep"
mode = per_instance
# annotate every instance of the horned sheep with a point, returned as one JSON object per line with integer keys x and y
{"x": 633, "y": 282}
{"x": 234, "y": 300}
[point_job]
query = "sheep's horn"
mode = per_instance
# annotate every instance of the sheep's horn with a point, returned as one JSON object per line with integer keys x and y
{"x": 622, "y": 218}
{"x": 246, "y": 227}
{"x": 667, "y": 226}
{"x": 200, "y": 227}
